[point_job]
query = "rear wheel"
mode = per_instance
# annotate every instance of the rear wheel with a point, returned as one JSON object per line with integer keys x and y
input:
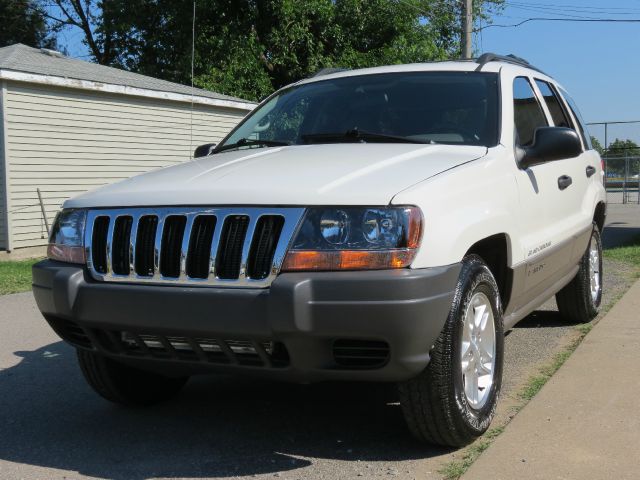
{"x": 580, "y": 300}
{"x": 453, "y": 401}
{"x": 126, "y": 385}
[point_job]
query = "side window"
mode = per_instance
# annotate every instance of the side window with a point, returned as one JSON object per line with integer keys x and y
{"x": 528, "y": 114}
{"x": 558, "y": 114}
{"x": 582, "y": 127}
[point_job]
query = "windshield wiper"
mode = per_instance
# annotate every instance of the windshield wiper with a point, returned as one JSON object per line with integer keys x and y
{"x": 247, "y": 142}
{"x": 356, "y": 135}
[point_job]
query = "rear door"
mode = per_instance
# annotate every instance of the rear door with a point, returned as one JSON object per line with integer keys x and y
{"x": 590, "y": 159}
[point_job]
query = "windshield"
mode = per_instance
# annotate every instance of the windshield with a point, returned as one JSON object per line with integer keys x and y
{"x": 415, "y": 107}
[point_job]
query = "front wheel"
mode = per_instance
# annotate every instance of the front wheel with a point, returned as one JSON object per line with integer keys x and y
{"x": 126, "y": 385}
{"x": 453, "y": 401}
{"x": 579, "y": 301}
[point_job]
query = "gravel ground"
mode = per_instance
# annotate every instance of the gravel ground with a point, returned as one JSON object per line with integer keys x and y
{"x": 52, "y": 426}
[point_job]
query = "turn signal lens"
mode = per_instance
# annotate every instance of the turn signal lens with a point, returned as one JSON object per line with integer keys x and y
{"x": 66, "y": 253}
{"x": 347, "y": 260}
{"x": 415, "y": 228}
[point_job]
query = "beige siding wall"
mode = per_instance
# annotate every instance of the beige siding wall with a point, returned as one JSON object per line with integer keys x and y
{"x": 3, "y": 193}
{"x": 67, "y": 141}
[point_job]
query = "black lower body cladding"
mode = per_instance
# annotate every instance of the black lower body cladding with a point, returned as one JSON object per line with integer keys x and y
{"x": 369, "y": 326}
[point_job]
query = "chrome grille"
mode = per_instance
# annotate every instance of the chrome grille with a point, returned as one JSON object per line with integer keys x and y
{"x": 230, "y": 246}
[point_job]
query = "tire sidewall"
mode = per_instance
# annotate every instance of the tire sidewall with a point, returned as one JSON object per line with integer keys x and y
{"x": 475, "y": 277}
{"x": 594, "y": 306}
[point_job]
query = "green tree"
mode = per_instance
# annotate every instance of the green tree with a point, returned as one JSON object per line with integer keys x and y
{"x": 100, "y": 23}
{"x": 621, "y": 148}
{"x": 23, "y": 21}
{"x": 248, "y": 48}
{"x": 597, "y": 145}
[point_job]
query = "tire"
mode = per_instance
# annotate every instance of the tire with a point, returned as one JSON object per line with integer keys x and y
{"x": 126, "y": 385}
{"x": 577, "y": 302}
{"x": 434, "y": 403}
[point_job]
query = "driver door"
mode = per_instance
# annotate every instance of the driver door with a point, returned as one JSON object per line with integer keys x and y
{"x": 550, "y": 199}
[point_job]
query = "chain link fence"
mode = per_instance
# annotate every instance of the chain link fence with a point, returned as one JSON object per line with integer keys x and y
{"x": 622, "y": 179}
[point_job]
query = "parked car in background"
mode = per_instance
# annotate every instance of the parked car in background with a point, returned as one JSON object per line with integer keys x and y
{"x": 387, "y": 224}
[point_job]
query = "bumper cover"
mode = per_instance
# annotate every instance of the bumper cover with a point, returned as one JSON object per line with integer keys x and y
{"x": 303, "y": 316}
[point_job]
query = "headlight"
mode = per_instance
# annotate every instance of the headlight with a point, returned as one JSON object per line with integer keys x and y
{"x": 334, "y": 226}
{"x": 356, "y": 239}
{"x": 66, "y": 242}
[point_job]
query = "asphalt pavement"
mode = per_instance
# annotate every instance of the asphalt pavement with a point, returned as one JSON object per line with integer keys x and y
{"x": 52, "y": 426}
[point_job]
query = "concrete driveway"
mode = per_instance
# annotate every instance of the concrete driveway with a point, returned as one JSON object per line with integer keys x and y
{"x": 53, "y": 426}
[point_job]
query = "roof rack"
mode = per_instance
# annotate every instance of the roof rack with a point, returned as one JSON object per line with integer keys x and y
{"x": 328, "y": 71}
{"x": 485, "y": 58}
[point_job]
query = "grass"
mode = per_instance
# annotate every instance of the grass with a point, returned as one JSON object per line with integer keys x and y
{"x": 455, "y": 469}
{"x": 537, "y": 381}
{"x": 15, "y": 276}
{"x": 628, "y": 254}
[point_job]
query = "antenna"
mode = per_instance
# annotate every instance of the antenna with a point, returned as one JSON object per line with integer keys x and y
{"x": 193, "y": 52}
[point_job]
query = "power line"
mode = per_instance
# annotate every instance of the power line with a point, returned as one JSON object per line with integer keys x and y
{"x": 614, "y": 123}
{"x": 558, "y": 12}
{"x": 571, "y": 12}
{"x": 583, "y": 8}
{"x": 550, "y": 19}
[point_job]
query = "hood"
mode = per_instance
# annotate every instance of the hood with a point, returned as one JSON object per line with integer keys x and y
{"x": 332, "y": 174}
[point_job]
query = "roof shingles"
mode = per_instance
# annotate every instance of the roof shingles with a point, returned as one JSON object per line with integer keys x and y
{"x": 22, "y": 58}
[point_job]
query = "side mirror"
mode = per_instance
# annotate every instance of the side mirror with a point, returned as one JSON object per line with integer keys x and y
{"x": 204, "y": 150}
{"x": 549, "y": 144}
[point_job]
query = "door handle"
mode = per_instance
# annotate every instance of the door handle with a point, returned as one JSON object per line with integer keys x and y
{"x": 590, "y": 171}
{"x": 564, "y": 181}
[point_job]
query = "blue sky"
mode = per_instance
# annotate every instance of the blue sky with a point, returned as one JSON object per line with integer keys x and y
{"x": 598, "y": 63}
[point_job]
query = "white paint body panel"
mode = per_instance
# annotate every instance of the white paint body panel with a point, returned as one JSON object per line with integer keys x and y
{"x": 338, "y": 174}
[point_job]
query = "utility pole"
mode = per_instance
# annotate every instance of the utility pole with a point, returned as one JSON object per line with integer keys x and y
{"x": 467, "y": 28}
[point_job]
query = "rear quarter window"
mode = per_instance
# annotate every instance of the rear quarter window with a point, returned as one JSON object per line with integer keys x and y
{"x": 558, "y": 112}
{"x": 582, "y": 126}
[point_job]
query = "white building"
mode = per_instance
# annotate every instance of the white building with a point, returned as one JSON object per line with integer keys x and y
{"x": 67, "y": 126}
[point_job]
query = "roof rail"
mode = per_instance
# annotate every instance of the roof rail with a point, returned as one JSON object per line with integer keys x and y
{"x": 328, "y": 71}
{"x": 493, "y": 57}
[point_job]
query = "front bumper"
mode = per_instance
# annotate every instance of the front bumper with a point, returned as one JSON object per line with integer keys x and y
{"x": 370, "y": 326}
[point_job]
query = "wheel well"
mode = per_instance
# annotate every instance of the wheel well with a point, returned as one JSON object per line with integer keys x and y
{"x": 600, "y": 215}
{"x": 494, "y": 250}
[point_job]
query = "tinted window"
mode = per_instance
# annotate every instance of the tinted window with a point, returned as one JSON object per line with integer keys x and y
{"x": 584, "y": 133}
{"x": 443, "y": 107}
{"x": 527, "y": 111}
{"x": 553, "y": 104}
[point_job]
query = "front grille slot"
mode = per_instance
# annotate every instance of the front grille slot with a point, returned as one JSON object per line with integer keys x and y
{"x": 99, "y": 244}
{"x": 363, "y": 354}
{"x": 231, "y": 243}
{"x": 199, "y": 254}
{"x": 120, "y": 247}
{"x": 145, "y": 243}
{"x": 208, "y": 351}
{"x": 198, "y": 246}
{"x": 194, "y": 349}
{"x": 263, "y": 246}
{"x": 172, "y": 245}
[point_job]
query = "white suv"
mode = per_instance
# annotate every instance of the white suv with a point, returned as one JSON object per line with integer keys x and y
{"x": 386, "y": 224}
